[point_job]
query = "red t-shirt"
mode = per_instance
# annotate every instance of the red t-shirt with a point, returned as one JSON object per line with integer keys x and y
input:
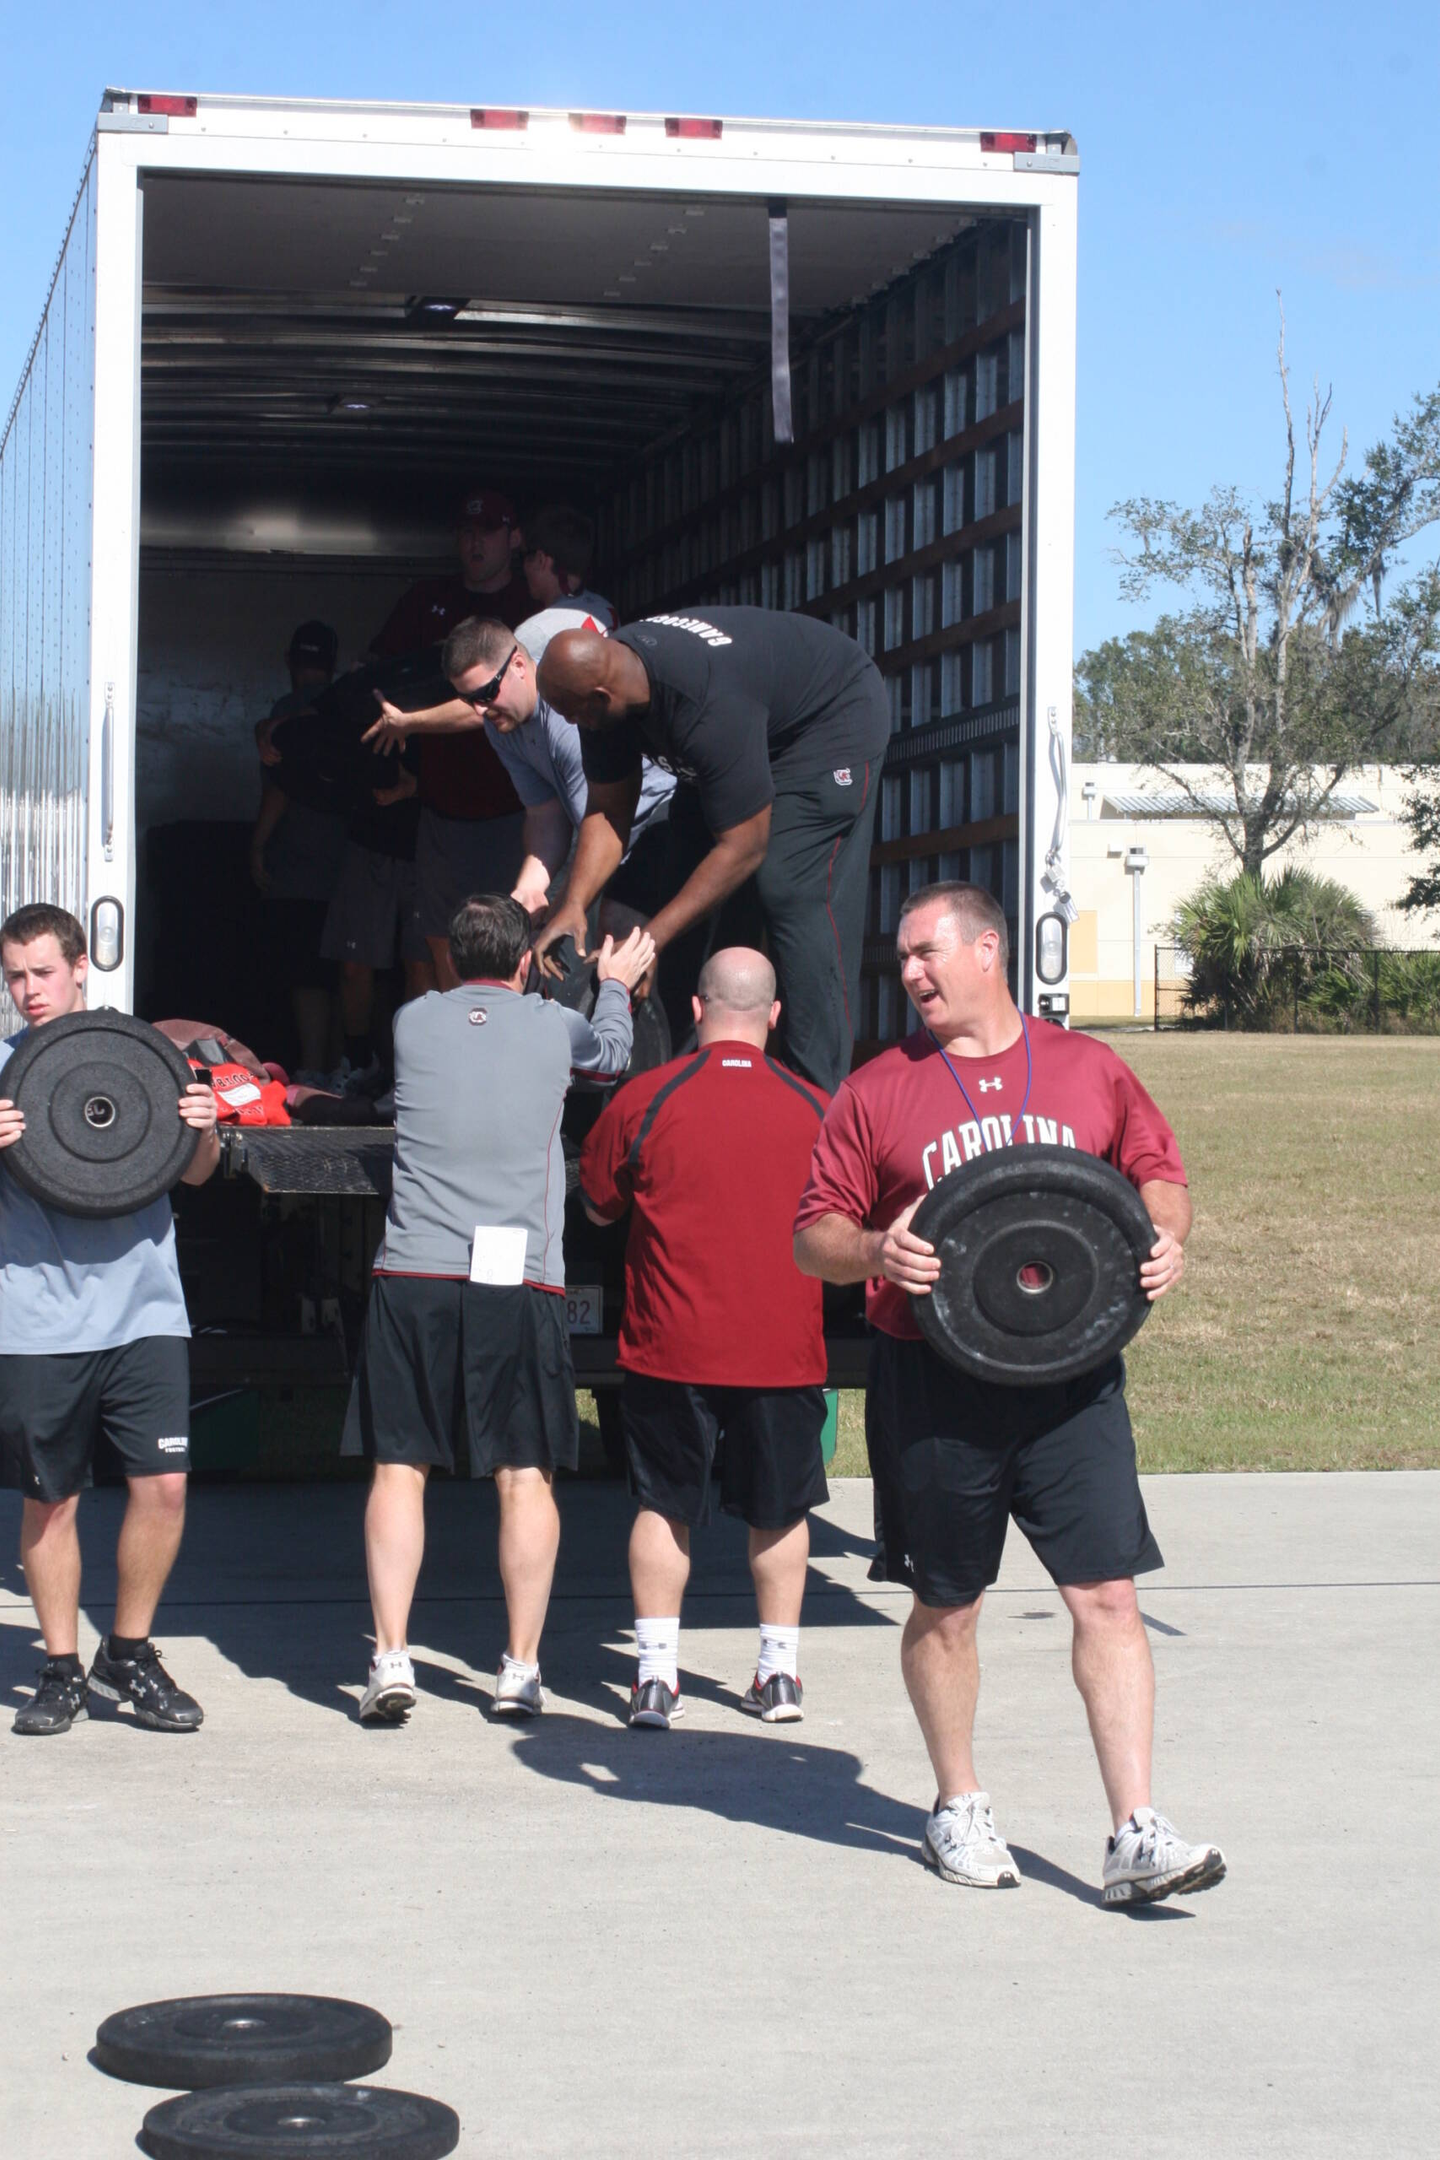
{"x": 710, "y": 1153}
{"x": 900, "y": 1123}
{"x": 460, "y": 775}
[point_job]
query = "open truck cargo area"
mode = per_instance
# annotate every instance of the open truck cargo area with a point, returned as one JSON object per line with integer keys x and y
{"x": 285, "y": 338}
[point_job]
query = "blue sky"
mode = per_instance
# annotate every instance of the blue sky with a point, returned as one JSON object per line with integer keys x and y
{"x": 1226, "y": 149}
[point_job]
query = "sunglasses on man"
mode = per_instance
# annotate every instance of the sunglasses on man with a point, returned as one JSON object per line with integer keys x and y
{"x": 488, "y": 691}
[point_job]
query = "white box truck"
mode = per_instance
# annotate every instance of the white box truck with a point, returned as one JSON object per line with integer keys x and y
{"x": 792, "y": 364}
{"x": 284, "y": 336}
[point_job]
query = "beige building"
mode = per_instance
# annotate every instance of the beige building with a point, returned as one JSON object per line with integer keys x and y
{"x": 1131, "y": 829}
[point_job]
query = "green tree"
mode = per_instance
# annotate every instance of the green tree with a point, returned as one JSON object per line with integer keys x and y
{"x": 1255, "y": 943}
{"x": 1290, "y": 664}
{"x": 1422, "y": 815}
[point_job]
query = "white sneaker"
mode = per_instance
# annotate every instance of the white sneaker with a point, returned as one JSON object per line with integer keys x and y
{"x": 1147, "y": 1859}
{"x": 390, "y": 1695}
{"x": 963, "y": 1846}
{"x": 517, "y": 1694}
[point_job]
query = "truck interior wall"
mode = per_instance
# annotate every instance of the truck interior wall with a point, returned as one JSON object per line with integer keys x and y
{"x": 897, "y": 515}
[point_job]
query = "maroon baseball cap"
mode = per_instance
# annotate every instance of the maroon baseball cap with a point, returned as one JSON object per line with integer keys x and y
{"x": 487, "y": 509}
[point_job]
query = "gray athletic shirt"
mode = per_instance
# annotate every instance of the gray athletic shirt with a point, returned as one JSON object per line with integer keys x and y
{"x": 542, "y": 757}
{"x": 481, "y": 1076}
{"x": 69, "y": 1284}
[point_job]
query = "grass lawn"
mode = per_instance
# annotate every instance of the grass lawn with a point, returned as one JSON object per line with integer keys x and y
{"x": 1306, "y": 1335}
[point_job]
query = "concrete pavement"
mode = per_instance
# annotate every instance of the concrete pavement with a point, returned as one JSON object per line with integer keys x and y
{"x": 721, "y": 1942}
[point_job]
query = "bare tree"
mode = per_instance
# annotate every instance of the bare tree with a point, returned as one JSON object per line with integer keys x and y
{"x": 1275, "y": 678}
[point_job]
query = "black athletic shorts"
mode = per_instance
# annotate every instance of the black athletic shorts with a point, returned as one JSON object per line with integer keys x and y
{"x": 451, "y": 1369}
{"x": 55, "y": 1411}
{"x": 771, "y": 1468}
{"x": 954, "y": 1459}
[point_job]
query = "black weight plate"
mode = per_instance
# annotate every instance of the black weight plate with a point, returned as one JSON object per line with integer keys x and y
{"x": 576, "y": 989}
{"x": 103, "y": 1132}
{"x": 204, "y": 2040}
{"x": 651, "y": 1046}
{"x": 1040, "y": 1250}
{"x": 300, "y": 2122}
{"x": 324, "y": 764}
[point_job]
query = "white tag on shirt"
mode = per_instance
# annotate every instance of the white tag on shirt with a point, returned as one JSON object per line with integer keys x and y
{"x": 497, "y": 1254}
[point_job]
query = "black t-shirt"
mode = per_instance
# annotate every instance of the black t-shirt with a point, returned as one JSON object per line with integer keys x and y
{"x": 742, "y": 701}
{"x": 389, "y": 828}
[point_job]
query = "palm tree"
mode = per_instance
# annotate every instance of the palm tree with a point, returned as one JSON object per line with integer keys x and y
{"x": 1254, "y": 943}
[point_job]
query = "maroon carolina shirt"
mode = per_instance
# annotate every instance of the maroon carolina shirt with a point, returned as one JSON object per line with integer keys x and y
{"x": 900, "y": 1123}
{"x": 710, "y": 1152}
{"x": 460, "y": 775}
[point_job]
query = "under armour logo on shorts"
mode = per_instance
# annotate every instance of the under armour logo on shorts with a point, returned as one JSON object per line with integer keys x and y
{"x": 841, "y": 776}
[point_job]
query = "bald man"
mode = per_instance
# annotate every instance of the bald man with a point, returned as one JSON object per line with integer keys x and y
{"x": 722, "y": 1336}
{"x": 775, "y": 726}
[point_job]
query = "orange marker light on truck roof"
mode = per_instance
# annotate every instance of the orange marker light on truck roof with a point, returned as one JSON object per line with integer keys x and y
{"x": 179, "y": 108}
{"x": 498, "y": 116}
{"x": 598, "y": 123}
{"x": 1002, "y": 141}
{"x": 696, "y": 130}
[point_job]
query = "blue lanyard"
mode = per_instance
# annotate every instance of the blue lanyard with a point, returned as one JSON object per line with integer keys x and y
{"x": 975, "y": 1114}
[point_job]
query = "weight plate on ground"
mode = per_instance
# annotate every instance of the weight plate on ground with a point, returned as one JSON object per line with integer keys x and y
{"x": 1040, "y": 1250}
{"x": 103, "y": 1132}
{"x": 204, "y": 2040}
{"x": 300, "y": 2122}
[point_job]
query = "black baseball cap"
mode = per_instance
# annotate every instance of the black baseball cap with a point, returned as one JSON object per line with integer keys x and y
{"x": 315, "y": 642}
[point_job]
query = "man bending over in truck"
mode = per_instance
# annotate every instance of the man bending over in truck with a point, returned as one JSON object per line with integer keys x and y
{"x": 775, "y": 726}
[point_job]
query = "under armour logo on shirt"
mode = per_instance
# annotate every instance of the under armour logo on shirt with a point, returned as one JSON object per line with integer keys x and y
{"x": 986, "y": 1085}
{"x": 477, "y": 1017}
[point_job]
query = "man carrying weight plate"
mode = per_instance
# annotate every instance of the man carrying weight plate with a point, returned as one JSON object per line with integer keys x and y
{"x": 954, "y": 1457}
{"x": 93, "y": 1341}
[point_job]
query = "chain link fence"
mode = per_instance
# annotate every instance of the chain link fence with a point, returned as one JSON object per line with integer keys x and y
{"x": 1304, "y": 990}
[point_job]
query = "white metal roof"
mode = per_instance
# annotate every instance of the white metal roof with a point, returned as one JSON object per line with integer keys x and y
{"x": 1215, "y": 804}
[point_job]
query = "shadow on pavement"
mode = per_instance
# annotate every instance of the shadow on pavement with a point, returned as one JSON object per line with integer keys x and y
{"x": 759, "y": 1776}
{"x": 274, "y": 1576}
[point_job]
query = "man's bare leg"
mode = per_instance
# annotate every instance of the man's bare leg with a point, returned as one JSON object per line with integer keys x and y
{"x": 50, "y": 1556}
{"x": 419, "y": 977}
{"x": 394, "y": 1548}
{"x": 659, "y": 1565}
{"x": 445, "y": 975}
{"x": 778, "y": 1560}
{"x": 1110, "y": 1658}
{"x": 150, "y": 1534}
{"x": 941, "y": 1665}
{"x": 313, "y": 1014}
{"x": 357, "y": 996}
{"x": 529, "y": 1542}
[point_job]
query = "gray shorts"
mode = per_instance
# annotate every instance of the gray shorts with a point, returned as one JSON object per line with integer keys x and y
{"x": 455, "y": 857}
{"x": 372, "y": 911}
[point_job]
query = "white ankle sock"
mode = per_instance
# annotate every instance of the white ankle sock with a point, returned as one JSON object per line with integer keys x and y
{"x": 514, "y": 1665}
{"x": 779, "y": 1652}
{"x": 658, "y": 1642}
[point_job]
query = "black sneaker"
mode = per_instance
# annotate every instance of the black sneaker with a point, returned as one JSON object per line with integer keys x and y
{"x": 655, "y": 1704}
{"x": 144, "y": 1683}
{"x": 58, "y": 1701}
{"x": 778, "y": 1699}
